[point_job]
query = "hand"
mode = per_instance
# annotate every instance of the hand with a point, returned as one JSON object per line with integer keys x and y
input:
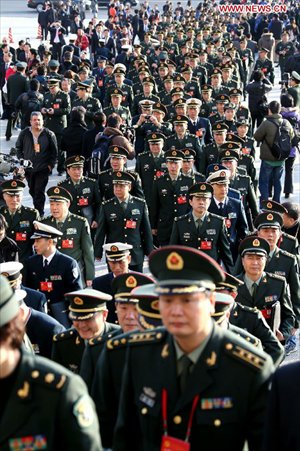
{"x": 50, "y": 168}
{"x": 154, "y": 121}
{"x": 154, "y": 232}
{"x": 94, "y": 225}
{"x": 89, "y": 283}
{"x": 51, "y": 111}
{"x": 294, "y": 331}
{"x": 141, "y": 120}
{"x": 44, "y": 110}
{"x": 279, "y": 335}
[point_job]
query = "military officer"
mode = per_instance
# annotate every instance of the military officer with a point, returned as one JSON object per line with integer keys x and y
{"x": 118, "y": 158}
{"x": 125, "y": 218}
{"x": 284, "y": 49}
{"x": 201, "y": 229}
{"x": 182, "y": 139}
{"x": 151, "y": 164}
{"x": 211, "y": 151}
{"x": 229, "y": 158}
{"x": 19, "y": 218}
{"x": 51, "y": 272}
{"x": 86, "y": 198}
{"x": 87, "y": 101}
{"x": 36, "y": 389}
{"x": 264, "y": 64}
{"x": 264, "y": 290}
{"x": 242, "y": 113}
{"x": 169, "y": 196}
{"x": 56, "y": 108}
{"x": 294, "y": 88}
{"x": 108, "y": 368}
{"x": 231, "y": 209}
{"x": 75, "y": 240}
{"x": 119, "y": 77}
{"x": 116, "y": 96}
{"x": 207, "y": 101}
{"x": 190, "y": 359}
{"x": 242, "y": 126}
{"x": 88, "y": 313}
{"x": 251, "y": 320}
{"x": 147, "y": 94}
{"x": 188, "y": 166}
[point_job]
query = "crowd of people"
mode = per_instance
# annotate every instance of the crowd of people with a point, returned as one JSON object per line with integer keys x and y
{"x": 180, "y": 354}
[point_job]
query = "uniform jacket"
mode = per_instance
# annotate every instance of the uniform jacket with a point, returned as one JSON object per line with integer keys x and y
{"x": 148, "y": 170}
{"x": 210, "y": 239}
{"x": 76, "y": 242}
{"x": 130, "y": 226}
{"x": 68, "y": 347}
{"x": 223, "y": 410}
{"x": 105, "y": 181}
{"x": 188, "y": 142}
{"x": 8, "y": 250}
{"x": 272, "y": 288}
{"x": 103, "y": 283}
{"x": 20, "y": 228}
{"x": 44, "y": 390}
{"x": 17, "y": 84}
{"x": 61, "y": 104}
{"x": 35, "y": 299}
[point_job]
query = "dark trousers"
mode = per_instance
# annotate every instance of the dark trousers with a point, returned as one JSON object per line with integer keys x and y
{"x": 288, "y": 179}
{"x": 256, "y": 118}
{"x": 12, "y": 117}
{"x": 56, "y": 51}
{"x": 37, "y": 182}
{"x": 60, "y": 155}
{"x": 136, "y": 268}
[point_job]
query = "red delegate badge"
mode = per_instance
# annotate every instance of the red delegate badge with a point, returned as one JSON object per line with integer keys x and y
{"x": 67, "y": 244}
{"x": 130, "y": 224}
{"x": 83, "y": 202}
{"x": 21, "y": 236}
{"x": 181, "y": 200}
{"x": 46, "y": 286}
{"x": 206, "y": 245}
{"x": 174, "y": 444}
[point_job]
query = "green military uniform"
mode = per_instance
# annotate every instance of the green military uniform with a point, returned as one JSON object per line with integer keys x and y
{"x": 244, "y": 185}
{"x": 20, "y": 228}
{"x": 68, "y": 347}
{"x": 284, "y": 50}
{"x": 61, "y": 104}
{"x": 86, "y": 198}
{"x": 92, "y": 106}
{"x": 105, "y": 181}
{"x": 188, "y": 142}
{"x": 295, "y": 93}
{"x": 42, "y": 390}
{"x": 267, "y": 67}
{"x": 76, "y": 242}
{"x": 138, "y": 98}
{"x": 127, "y": 99}
{"x": 141, "y": 400}
{"x": 123, "y": 112}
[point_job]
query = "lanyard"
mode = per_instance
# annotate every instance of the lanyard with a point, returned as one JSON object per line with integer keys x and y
{"x": 164, "y": 414}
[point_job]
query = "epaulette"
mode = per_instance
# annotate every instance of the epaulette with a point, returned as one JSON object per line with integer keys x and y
{"x": 146, "y": 152}
{"x": 287, "y": 254}
{"x": 99, "y": 340}
{"x": 59, "y": 183}
{"x": 48, "y": 217}
{"x": 104, "y": 172}
{"x": 276, "y": 276}
{"x": 134, "y": 173}
{"x": 245, "y": 176}
{"x": 289, "y": 237}
{"x": 245, "y": 308}
{"x": 33, "y": 210}
{"x": 136, "y": 338}
{"x": 245, "y": 335}
{"x": 64, "y": 335}
{"x": 181, "y": 218}
{"x": 213, "y": 215}
{"x": 108, "y": 201}
{"x": 43, "y": 376}
{"x": 90, "y": 179}
{"x": 248, "y": 357}
{"x": 78, "y": 217}
{"x": 138, "y": 198}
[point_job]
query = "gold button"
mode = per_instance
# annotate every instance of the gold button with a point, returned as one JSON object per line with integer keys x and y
{"x": 49, "y": 378}
{"x": 35, "y": 374}
{"x": 229, "y": 346}
{"x": 159, "y": 335}
{"x": 144, "y": 411}
{"x": 217, "y": 423}
{"x": 177, "y": 419}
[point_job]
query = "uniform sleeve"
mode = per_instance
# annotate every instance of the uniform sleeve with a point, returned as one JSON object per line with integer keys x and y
{"x": 100, "y": 234}
{"x": 224, "y": 249}
{"x": 175, "y": 234}
{"x": 294, "y": 286}
{"x": 137, "y": 187}
{"x": 146, "y": 233}
{"x": 87, "y": 251}
{"x": 78, "y": 423}
{"x": 72, "y": 277}
{"x": 65, "y": 108}
{"x": 52, "y": 149}
{"x": 287, "y": 315}
{"x": 242, "y": 224}
{"x": 199, "y": 161}
{"x": 87, "y": 367}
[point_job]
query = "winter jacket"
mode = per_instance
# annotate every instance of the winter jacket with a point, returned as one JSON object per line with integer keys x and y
{"x": 119, "y": 140}
{"x": 267, "y": 41}
{"x": 256, "y": 91}
{"x": 294, "y": 118}
{"x": 266, "y": 134}
{"x": 72, "y": 138}
{"x": 47, "y": 154}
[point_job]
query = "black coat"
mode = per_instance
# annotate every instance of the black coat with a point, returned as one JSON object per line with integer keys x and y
{"x": 72, "y": 138}
{"x": 8, "y": 250}
{"x": 256, "y": 91}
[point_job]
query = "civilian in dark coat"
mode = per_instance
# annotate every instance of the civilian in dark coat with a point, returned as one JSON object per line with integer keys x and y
{"x": 17, "y": 84}
{"x": 89, "y": 138}
{"x": 283, "y": 417}
{"x": 35, "y": 299}
{"x": 72, "y": 136}
{"x": 257, "y": 89}
{"x": 57, "y": 39}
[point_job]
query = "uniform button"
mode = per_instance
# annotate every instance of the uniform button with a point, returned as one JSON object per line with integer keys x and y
{"x": 229, "y": 346}
{"x": 144, "y": 411}
{"x": 217, "y": 422}
{"x": 177, "y": 419}
{"x": 59, "y": 247}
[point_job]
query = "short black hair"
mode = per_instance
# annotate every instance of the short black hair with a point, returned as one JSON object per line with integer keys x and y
{"x": 114, "y": 120}
{"x": 293, "y": 210}
{"x": 287, "y": 100}
{"x": 274, "y": 107}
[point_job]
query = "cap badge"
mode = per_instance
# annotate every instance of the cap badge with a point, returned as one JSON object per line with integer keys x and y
{"x": 154, "y": 305}
{"x": 13, "y": 183}
{"x": 269, "y": 205}
{"x": 154, "y": 136}
{"x": 227, "y": 153}
{"x": 174, "y": 261}
{"x": 78, "y": 301}
{"x": 131, "y": 282}
{"x": 114, "y": 248}
{"x": 56, "y": 190}
{"x": 223, "y": 174}
{"x": 203, "y": 187}
{"x": 174, "y": 153}
{"x": 219, "y": 126}
{"x": 230, "y": 146}
{"x": 178, "y": 118}
{"x": 116, "y": 149}
{"x": 119, "y": 174}
{"x": 256, "y": 243}
{"x": 77, "y": 158}
{"x": 186, "y": 152}
{"x": 270, "y": 217}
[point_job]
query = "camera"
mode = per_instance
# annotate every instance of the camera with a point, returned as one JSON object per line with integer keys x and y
{"x": 128, "y": 132}
{"x": 285, "y": 81}
{"x": 10, "y": 163}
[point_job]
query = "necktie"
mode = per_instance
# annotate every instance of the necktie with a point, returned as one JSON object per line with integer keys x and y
{"x": 59, "y": 225}
{"x": 254, "y": 290}
{"x": 199, "y": 224}
{"x": 123, "y": 205}
{"x": 174, "y": 182}
{"x": 45, "y": 263}
{"x": 185, "y": 367}
{"x": 221, "y": 207}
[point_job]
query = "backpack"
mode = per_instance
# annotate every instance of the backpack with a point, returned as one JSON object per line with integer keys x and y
{"x": 30, "y": 104}
{"x": 293, "y": 120}
{"x": 281, "y": 147}
{"x": 100, "y": 155}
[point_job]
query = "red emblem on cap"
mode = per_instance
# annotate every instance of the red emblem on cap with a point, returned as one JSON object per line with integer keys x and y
{"x": 131, "y": 282}
{"x": 256, "y": 243}
{"x": 270, "y": 217}
{"x": 174, "y": 261}
{"x": 13, "y": 184}
{"x": 56, "y": 190}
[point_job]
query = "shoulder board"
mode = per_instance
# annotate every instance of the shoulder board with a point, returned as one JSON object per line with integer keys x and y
{"x": 100, "y": 340}
{"x": 276, "y": 276}
{"x": 289, "y": 237}
{"x": 181, "y": 218}
{"x": 213, "y": 215}
{"x": 135, "y": 338}
{"x": 65, "y": 335}
{"x": 287, "y": 254}
{"x": 108, "y": 201}
{"x": 146, "y": 152}
{"x": 90, "y": 179}
{"x": 246, "y": 336}
{"x": 245, "y": 308}
{"x": 104, "y": 172}
{"x": 47, "y": 217}
{"x": 73, "y": 215}
{"x": 131, "y": 172}
{"x": 48, "y": 377}
{"x": 33, "y": 210}
{"x": 138, "y": 199}
{"x": 238, "y": 352}
{"x": 243, "y": 176}
{"x": 61, "y": 182}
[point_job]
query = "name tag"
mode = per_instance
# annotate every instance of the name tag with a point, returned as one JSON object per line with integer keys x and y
{"x": 55, "y": 277}
{"x": 211, "y": 231}
{"x": 21, "y": 236}
{"x": 46, "y": 286}
{"x": 24, "y": 224}
{"x": 130, "y": 224}
{"x": 135, "y": 211}
{"x": 206, "y": 245}
{"x": 67, "y": 244}
{"x": 181, "y": 200}
{"x": 231, "y": 215}
{"x": 37, "y": 148}
{"x": 56, "y": 106}
{"x": 83, "y": 202}
{"x": 86, "y": 190}
{"x": 71, "y": 231}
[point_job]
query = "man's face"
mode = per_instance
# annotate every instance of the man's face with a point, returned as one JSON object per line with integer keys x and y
{"x": 220, "y": 191}
{"x": 81, "y": 92}
{"x": 270, "y": 234}
{"x": 59, "y": 210}
{"x": 187, "y": 165}
{"x": 53, "y": 89}
{"x": 65, "y": 86}
{"x": 220, "y": 107}
{"x": 174, "y": 167}
{"x": 127, "y": 316}
{"x": 220, "y": 138}
{"x": 193, "y": 113}
{"x": 117, "y": 163}
{"x": 229, "y": 115}
{"x": 235, "y": 99}
{"x": 159, "y": 115}
{"x": 181, "y": 110}
{"x": 254, "y": 265}
{"x": 242, "y": 130}
{"x": 120, "y": 266}
{"x": 147, "y": 88}
{"x": 231, "y": 165}
{"x": 116, "y": 101}
{"x": 121, "y": 191}
{"x": 75, "y": 172}
{"x": 156, "y": 147}
{"x": 199, "y": 205}
{"x": 91, "y": 327}
{"x": 119, "y": 78}
{"x": 41, "y": 245}
{"x": 186, "y": 316}
{"x": 37, "y": 122}
{"x": 13, "y": 202}
{"x": 180, "y": 129}
{"x": 206, "y": 95}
